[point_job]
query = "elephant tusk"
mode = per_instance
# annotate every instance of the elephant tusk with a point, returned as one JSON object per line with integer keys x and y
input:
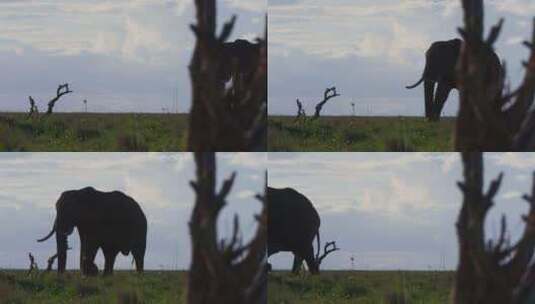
{"x": 49, "y": 235}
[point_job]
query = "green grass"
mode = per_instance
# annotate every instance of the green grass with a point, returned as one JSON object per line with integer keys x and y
{"x": 123, "y": 287}
{"x": 93, "y": 132}
{"x": 361, "y": 287}
{"x": 363, "y": 134}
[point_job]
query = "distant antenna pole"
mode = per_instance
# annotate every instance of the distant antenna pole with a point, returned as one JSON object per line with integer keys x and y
{"x": 176, "y": 99}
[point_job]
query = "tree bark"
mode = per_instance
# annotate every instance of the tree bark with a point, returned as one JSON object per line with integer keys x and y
{"x": 488, "y": 272}
{"x": 490, "y": 119}
{"x": 226, "y": 271}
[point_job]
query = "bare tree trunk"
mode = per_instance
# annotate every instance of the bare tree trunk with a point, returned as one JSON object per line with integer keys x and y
{"x": 33, "y": 265}
{"x": 226, "y": 271}
{"x": 300, "y": 111}
{"x": 33, "y": 108}
{"x": 488, "y": 272}
{"x": 490, "y": 119}
{"x": 214, "y": 126}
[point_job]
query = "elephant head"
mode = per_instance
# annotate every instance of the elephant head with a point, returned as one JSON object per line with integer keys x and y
{"x": 441, "y": 69}
{"x": 67, "y": 217}
{"x": 111, "y": 221}
{"x": 241, "y": 60}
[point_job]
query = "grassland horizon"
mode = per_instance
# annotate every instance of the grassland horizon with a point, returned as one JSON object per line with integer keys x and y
{"x": 360, "y": 134}
{"x": 92, "y": 132}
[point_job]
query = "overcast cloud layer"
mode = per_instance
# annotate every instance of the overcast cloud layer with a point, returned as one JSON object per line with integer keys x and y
{"x": 159, "y": 182}
{"x": 120, "y": 55}
{"x": 372, "y": 49}
{"x": 395, "y": 210}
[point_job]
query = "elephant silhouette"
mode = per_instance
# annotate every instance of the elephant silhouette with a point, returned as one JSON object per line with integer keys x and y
{"x": 111, "y": 221}
{"x": 440, "y": 68}
{"x": 293, "y": 223}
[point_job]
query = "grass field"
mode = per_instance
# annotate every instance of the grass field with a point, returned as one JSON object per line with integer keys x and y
{"x": 361, "y": 287}
{"x": 389, "y": 134}
{"x": 93, "y": 132}
{"x": 121, "y": 288}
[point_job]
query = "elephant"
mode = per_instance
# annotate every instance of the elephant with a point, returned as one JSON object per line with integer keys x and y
{"x": 240, "y": 60}
{"x": 440, "y": 68}
{"x": 111, "y": 221}
{"x": 293, "y": 223}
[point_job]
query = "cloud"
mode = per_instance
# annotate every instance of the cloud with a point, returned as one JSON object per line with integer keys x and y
{"x": 449, "y": 161}
{"x": 511, "y": 195}
{"x": 398, "y": 199}
{"x": 249, "y": 5}
{"x": 245, "y": 194}
{"x": 250, "y": 160}
{"x": 514, "y": 160}
{"x": 141, "y": 41}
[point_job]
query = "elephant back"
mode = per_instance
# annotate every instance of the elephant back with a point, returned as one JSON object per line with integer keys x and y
{"x": 292, "y": 219}
{"x": 113, "y": 217}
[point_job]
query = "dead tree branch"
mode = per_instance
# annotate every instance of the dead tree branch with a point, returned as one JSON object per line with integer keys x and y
{"x": 33, "y": 108}
{"x": 488, "y": 272}
{"x": 300, "y": 110}
{"x": 225, "y": 119}
{"x": 226, "y": 271}
{"x": 491, "y": 118}
{"x": 63, "y": 89}
{"x": 328, "y": 248}
{"x": 33, "y": 265}
{"x": 328, "y": 94}
{"x": 50, "y": 262}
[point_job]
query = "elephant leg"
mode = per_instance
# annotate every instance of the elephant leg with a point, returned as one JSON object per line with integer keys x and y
{"x": 298, "y": 261}
{"x": 88, "y": 265}
{"x": 312, "y": 264}
{"x": 139, "y": 259}
{"x": 109, "y": 260}
{"x": 83, "y": 254}
{"x": 429, "y": 89}
{"x": 443, "y": 91}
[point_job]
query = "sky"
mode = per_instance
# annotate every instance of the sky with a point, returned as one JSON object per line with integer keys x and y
{"x": 371, "y": 49}
{"x": 120, "y": 55}
{"x": 396, "y": 211}
{"x": 159, "y": 182}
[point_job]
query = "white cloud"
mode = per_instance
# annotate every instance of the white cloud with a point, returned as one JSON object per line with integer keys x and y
{"x": 142, "y": 40}
{"x": 249, "y": 5}
{"x": 517, "y": 7}
{"x": 250, "y": 160}
{"x": 514, "y": 160}
{"x": 449, "y": 161}
{"x": 511, "y": 195}
{"x": 245, "y": 194}
{"x": 398, "y": 199}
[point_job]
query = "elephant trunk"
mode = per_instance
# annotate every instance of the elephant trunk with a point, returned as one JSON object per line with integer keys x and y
{"x": 61, "y": 241}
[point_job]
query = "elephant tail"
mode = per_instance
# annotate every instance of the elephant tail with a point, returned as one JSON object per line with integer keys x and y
{"x": 50, "y": 234}
{"x": 318, "y": 243}
{"x": 416, "y": 84}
